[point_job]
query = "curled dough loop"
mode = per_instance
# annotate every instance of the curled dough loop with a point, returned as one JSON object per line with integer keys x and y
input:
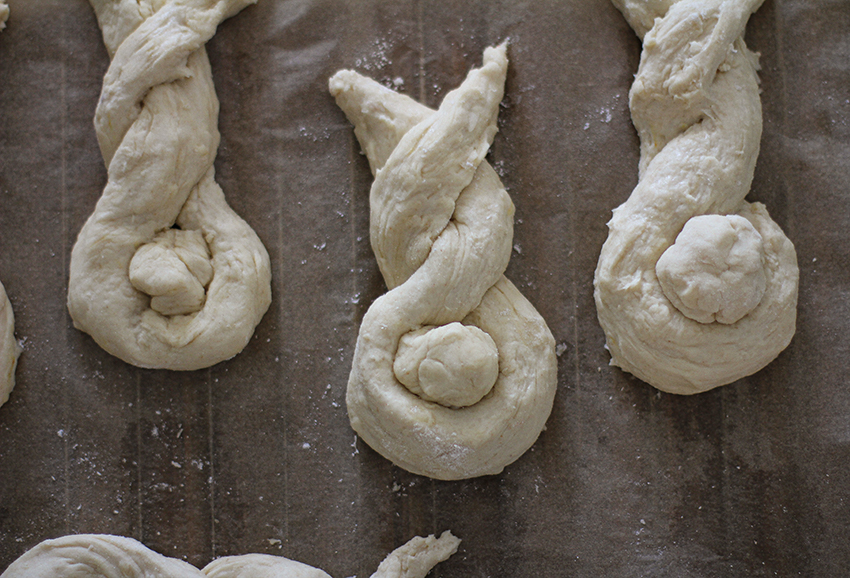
{"x": 164, "y": 274}
{"x": 695, "y": 287}
{"x": 106, "y": 556}
{"x": 454, "y": 372}
{"x": 97, "y": 555}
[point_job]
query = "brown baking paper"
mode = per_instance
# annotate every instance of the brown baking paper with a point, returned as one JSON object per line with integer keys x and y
{"x": 256, "y": 454}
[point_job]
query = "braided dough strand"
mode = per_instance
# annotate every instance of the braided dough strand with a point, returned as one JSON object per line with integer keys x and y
{"x": 164, "y": 274}
{"x": 695, "y": 287}
{"x": 454, "y": 372}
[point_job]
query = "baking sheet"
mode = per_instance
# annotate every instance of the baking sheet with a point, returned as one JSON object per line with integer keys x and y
{"x": 256, "y": 454}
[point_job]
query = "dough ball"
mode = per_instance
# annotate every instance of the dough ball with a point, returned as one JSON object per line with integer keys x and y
{"x": 174, "y": 269}
{"x": 454, "y": 365}
{"x": 715, "y": 269}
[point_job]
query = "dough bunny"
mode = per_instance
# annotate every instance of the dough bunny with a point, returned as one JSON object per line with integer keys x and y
{"x": 695, "y": 287}
{"x": 454, "y": 372}
{"x": 164, "y": 274}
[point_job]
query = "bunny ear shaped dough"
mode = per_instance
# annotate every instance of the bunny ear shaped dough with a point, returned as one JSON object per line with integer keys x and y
{"x": 418, "y": 556}
{"x": 412, "y": 560}
{"x": 695, "y": 287}
{"x": 454, "y": 372}
{"x": 164, "y": 274}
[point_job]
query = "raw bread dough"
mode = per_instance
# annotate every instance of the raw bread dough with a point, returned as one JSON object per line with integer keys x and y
{"x": 96, "y": 555}
{"x": 452, "y": 330}
{"x": 164, "y": 274}
{"x": 695, "y": 287}
{"x": 260, "y": 566}
{"x": 9, "y": 348}
{"x": 105, "y": 556}
{"x": 416, "y": 558}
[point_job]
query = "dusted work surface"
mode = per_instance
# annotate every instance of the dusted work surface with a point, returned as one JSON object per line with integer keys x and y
{"x": 256, "y": 453}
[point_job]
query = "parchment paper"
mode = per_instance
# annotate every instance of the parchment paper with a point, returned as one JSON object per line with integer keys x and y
{"x": 256, "y": 454}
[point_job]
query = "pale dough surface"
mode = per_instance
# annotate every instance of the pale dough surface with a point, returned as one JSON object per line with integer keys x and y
{"x": 106, "y": 556}
{"x": 454, "y": 372}
{"x": 164, "y": 274}
{"x": 9, "y": 348}
{"x": 695, "y": 287}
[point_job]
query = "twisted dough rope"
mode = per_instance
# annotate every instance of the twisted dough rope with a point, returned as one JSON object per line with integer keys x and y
{"x": 695, "y": 287}
{"x": 9, "y": 347}
{"x": 105, "y": 556}
{"x": 454, "y": 372}
{"x": 164, "y": 274}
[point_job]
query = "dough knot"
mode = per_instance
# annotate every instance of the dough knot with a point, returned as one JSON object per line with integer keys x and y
{"x": 174, "y": 270}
